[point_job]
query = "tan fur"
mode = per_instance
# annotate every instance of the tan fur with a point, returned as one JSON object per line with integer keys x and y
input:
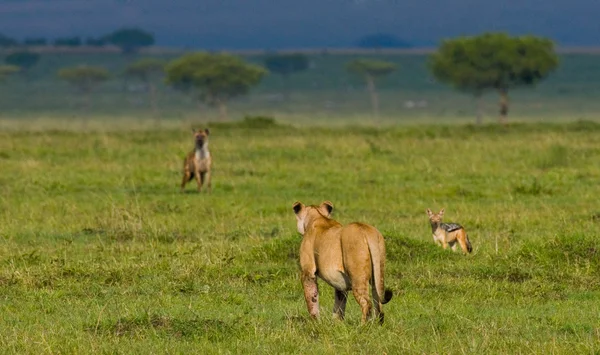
{"x": 198, "y": 162}
{"x": 445, "y": 238}
{"x": 346, "y": 257}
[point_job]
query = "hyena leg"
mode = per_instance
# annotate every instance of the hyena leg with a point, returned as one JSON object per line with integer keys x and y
{"x": 360, "y": 290}
{"x": 199, "y": 180}
{"x": 339, "y": 307}
{"x": 311, "y": 294}
{"x": 187, "y": 176}
{"x": 207, "y": 179}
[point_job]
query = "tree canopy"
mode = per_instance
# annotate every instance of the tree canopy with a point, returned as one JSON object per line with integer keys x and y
{"x": 85, "y": 78}
{"x": 23, "y": 59}
{"x": 143, "y": 69}
{"x": 493, "y": 61}
{"x": 216, "y": 78}
{"x": 371, "y": 67}
{"x": 130, "y": 40}
{"x": 286, "y": 64}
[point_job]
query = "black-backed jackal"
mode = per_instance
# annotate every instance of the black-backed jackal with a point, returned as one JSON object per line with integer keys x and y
{"x": 446, "y": 234}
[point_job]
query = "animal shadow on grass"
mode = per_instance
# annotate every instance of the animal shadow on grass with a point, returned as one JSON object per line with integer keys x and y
{"x": 213, "y": 329}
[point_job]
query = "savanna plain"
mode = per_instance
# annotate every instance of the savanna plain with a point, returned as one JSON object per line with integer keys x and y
{"x": 101, "y": 253}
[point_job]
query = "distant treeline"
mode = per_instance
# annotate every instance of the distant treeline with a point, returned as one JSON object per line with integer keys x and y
{"x": 128, "y": 39}
{"x": 139, "y": 38}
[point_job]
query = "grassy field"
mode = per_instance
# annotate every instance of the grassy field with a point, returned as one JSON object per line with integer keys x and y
{"x": 100, "y": 253}
{"x": 325, "y": 93}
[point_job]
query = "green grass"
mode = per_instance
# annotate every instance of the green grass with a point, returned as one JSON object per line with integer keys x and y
{"x": 100, "y": 253}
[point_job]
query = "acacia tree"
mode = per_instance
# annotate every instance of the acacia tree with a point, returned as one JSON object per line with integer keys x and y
{"x": 7, "y": 70}
{"x": 493, "y": 61}
{"x": 286, "y": 65}
{"x": 371, "y": 70}
{"x": 147, "y": 70}
{"x": 130, "y": 40}
{"x": 85, "y": 79}
{"x": 23, "y": 59}
{"x": 213, "y": 78}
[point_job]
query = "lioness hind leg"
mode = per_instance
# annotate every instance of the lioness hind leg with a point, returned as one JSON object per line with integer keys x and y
{"x": 311, "y": 294}
{"x": 339, "y": 307}
{"x": 361, "y": 295}
{"x": 377, "y": 304}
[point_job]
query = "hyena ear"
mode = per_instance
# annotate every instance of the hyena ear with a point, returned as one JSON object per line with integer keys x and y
{"x": 297, "y": 206}
{"x": 326, "y": 207}
{"x": 207, "y": 131}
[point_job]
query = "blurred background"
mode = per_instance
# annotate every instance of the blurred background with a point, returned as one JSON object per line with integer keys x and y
{"x": 127, "y": 47}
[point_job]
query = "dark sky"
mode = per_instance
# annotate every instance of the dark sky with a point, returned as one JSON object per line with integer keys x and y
{"x": 302, "y": 23}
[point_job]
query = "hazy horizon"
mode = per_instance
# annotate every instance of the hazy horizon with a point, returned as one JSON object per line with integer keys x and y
{"x": 254, "y": 24}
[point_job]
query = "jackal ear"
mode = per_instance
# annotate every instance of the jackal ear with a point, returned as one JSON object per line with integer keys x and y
{"x": 326, "y": 207}
{"x": 441, "y": 212}
{"x": 297, "y": 206}
{"x": 193, "y": 130}
{"x": 429, "y": 213}
{"x": 207, "y": 131}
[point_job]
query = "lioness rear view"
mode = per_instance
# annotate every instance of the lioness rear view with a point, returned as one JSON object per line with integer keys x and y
{"x": 347, "y": 257}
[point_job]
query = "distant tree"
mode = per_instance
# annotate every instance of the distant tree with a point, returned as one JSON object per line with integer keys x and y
{"x": 147, "y": 70}
{"x": 85, "y": 79}
{"x": 35, "y": 41}
{"x": 67, "y": 42}
{"x": 95, "y": 42}
{"x": 371, "y": 70}
{"x": 214, "y": 78}
{"x": 286, "y": 65}
{"x": 23, "y": 59}
{"x": 7, "y": 70}
{"x": 382, "y": 40}
{"x": 493, "y": 61}
{"x": 6, "y": 42}
{"x": 130, "y": 40}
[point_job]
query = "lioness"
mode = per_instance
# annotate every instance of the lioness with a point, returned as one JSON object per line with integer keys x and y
{"x": 346, "y": 257}
{"x": 198, "y": 162}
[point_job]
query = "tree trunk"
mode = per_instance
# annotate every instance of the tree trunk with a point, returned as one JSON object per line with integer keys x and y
{"x": 503, "y": 105}
{"x": 222, "y": 109}
{"x": 152, "y": 92}
{"x": 286, "y": 87}
{"x": 479, "y": 109}
{"x": 87, "y": 101}
{"x": 373, "y": 93}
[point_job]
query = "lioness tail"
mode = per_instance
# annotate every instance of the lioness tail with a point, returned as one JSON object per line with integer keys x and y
{"x": 377, "y": 251}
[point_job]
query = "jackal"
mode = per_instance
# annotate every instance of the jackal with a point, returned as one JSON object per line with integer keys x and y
{"x": 446, "y": 234}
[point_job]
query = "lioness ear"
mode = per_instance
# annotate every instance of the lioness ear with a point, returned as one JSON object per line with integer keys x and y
{"x": 207, "y": 131}
{"x": 297, "y": 206}
{"x": 327, "y": 207}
